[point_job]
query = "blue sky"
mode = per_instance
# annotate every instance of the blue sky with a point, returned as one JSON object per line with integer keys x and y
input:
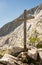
{"x": 11, "y": 9}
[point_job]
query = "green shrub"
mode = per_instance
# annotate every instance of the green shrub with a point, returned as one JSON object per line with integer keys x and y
{"x": 39, "y": 46}
{"x": 2, "y": 52}
{"x": 25, "y": 60}
{"x": 33, "y": 40}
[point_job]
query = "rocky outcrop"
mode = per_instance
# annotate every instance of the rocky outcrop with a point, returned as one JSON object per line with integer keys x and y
{"x": 24, "y": 58}
{"x": 33, "y": 53}
{"x": 8, "y": 59}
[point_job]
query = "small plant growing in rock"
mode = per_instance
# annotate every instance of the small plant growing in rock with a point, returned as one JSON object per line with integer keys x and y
{"x": 39, "y": 45}
{"x": 33, "y": 40}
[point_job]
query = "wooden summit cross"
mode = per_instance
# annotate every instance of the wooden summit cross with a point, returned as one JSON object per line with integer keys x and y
{"x": 25, "y": 17}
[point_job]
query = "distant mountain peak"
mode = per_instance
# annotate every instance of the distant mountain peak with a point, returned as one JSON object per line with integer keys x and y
{"x": 39, "y": 8}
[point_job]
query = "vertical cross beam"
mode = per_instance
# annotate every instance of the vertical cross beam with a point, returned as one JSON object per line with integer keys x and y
{"x": 24, "y": 30}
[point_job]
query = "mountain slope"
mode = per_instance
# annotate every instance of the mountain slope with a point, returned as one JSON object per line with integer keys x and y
{"x": 9, "y": 27}
{"x": 12, "y": 34}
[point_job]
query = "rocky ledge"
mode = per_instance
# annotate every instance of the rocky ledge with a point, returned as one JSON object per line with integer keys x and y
{"x": 30, "y": 57}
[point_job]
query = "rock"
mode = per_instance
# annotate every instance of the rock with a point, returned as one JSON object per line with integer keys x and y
{"x": 10, "y": 60}
{"x": 25, "y": 58}
{"x": 10, "y": 50}
{"x": 25, "y": 64}
{"x": 1, "y": 64}
{"x": 33, "y": 53}
{"x": 31, "y": 64}
{"x": 16, "y": 51}
{"x": 40, "y": 52}
{"x": 22, "y": 56}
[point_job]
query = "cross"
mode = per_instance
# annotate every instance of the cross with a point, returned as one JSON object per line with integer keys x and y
{"x": 24, "y": 19}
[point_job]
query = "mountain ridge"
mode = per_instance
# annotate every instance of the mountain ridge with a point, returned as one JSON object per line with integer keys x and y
{"x": 14, "y": 24}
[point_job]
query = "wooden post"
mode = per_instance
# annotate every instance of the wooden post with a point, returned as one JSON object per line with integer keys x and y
{"x": 25, "y": 30}
{"x": 24, "y": 19}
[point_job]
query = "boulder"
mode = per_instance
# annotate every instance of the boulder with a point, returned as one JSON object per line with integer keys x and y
{"x": 33, "y": 53}
{"x": 10, "y": 50}
{"x": 22, "y": 56}
{"x": 40, "y": 52}
{"x": 8, "y": 59}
